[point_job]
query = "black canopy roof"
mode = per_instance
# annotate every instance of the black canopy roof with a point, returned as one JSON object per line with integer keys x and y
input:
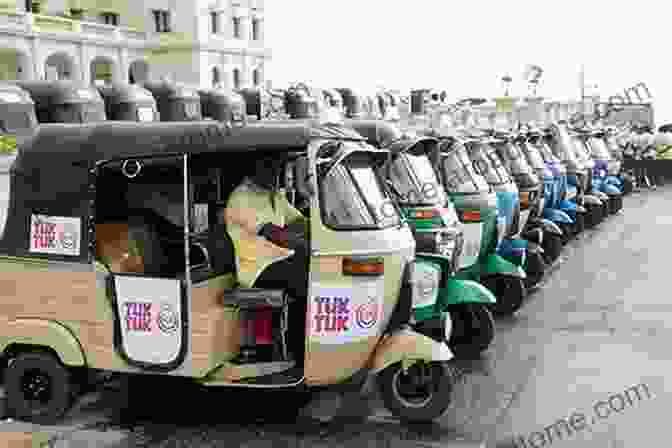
{"x": 119, "y": 92}
{"x": 170, "y": 90}
{"x": 75, "y": 144}
{"x": 46, "y": 93}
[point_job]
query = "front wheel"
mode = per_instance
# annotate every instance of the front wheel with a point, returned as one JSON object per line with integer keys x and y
{"x": 552, "y": 245}
{"x": 38, "y": 388}
{"x": 535, "y": 266}
{"x": 509, "y": 291}
{"x": 420, "y": 395}
{"x": 473, "y": 329}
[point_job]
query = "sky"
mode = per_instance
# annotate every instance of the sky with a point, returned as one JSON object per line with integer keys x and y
{"x": 466, "y": 49}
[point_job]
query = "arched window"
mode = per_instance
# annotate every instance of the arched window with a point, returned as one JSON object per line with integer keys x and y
{"x": 216, "y": 78}
{"x": 256, "y": 77}
{"x": 236, "y": 78}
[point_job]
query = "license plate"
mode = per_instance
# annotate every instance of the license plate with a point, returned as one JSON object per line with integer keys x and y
{"x": 473, "y": 233}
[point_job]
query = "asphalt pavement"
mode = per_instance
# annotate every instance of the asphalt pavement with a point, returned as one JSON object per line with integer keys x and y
{"x": 586, "y": 363}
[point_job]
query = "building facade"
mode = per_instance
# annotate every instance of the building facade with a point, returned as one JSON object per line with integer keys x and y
{"x": 199, "y": 42}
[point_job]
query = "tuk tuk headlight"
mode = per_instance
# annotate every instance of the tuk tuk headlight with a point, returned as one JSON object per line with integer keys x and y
{"x": 425, "y": 277}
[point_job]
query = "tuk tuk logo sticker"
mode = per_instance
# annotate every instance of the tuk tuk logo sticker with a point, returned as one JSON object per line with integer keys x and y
{"x": 55, "y": 235}
{"x": 138, "y": 317}
{"x": 342, "y": 314}
{"x": 366, "y": 315}
{"x": 167, "y": 319}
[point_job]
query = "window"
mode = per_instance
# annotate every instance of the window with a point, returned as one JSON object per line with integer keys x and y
{"x": 236, "y": 78}
{"x": 161, "y": 21}
{"x": 256, "y": 77}
{"x": 255, "y": 29}
{"x": 216, "y": 78}
{"x": 214, "y": 22}
{"x": 110, "y": 18}
{"x": 236, "y": 27}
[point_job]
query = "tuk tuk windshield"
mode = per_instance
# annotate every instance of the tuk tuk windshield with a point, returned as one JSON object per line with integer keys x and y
{"x": 79, "y": 112}
{"x": 353, "y": 196}
{"x": 518, "y": 163}
{"x": 415, "y": 180}
{"x": 489, "y": 164}
{"x": 534, "y": 156}
{"x": 459, "y": 172}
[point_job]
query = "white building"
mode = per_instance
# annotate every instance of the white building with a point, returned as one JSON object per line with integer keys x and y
{"x": 198, "y": 42}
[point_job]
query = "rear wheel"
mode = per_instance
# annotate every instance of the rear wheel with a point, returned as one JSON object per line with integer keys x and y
{"x": 38, "y": 388}
{"x": 422, "y": 394}
{"x": 473, "y": 329}
{"x": 509, "y": 291}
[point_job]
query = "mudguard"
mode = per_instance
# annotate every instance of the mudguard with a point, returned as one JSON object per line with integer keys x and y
{"x": 551, "y": 227}
{"x": 44, "y": 333}
{"x": 406, "y": 345}
{"x": 614, "y": 180}
{"x": 589, "y": 199}
{"x": 463, "y": 291}
{"x": 611, "y": 190}
{"x": 497, "y": 265}
{"x": 555, "y": 215}
{"x": 567, "y": 205}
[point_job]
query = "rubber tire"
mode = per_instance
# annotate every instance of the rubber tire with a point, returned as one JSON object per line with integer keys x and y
{"x": 434, "y": 409}
{"x": 552, "y": 246}
{"x": 514, "y": 287}
{"x": 61, "y": 385}
{"x": 535, "y": 266}
{"x": 477, "y": 342}
{"x": 568, "y": 232}
{"x": 580, "y": 224}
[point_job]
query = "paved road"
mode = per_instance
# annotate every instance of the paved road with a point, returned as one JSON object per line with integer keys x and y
{"x": 599, "y": 325}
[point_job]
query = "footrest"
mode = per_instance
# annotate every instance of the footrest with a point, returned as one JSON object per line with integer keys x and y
{"x": 251, "y": 298}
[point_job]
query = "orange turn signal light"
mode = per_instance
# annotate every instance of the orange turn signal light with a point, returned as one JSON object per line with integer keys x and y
{"x": 425, "y": 214}
{"x": 472, "y": 216}
{"x": 368, "y": 266}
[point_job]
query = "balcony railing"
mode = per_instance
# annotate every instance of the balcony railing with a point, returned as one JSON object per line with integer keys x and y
{"x": 38, "y": 23}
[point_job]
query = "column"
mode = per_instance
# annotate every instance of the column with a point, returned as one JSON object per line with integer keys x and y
{"x": 84, "y": 66}
{"x": 122, "y": 66}
{"x": 36, "y": 59}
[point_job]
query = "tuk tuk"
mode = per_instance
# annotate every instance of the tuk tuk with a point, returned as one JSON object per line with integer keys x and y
{"x": 128, "y": 102}
{"x": 65, "y": 101}
{"x": 176, "y": 102}
{"x": 222, "y": 105}
{"x": 17, "y": 117}
{"x": 531, "y": 229}
{"x": 470, "y": 179}
{"x": 437, "y": 231}
{"x": 579, "y": 173}
{"x": 115, "y": 258}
